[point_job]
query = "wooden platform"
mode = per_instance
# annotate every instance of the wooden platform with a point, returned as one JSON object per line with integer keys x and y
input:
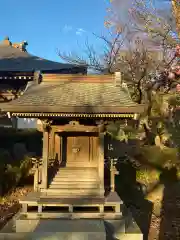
{"x": 54, "y": 207}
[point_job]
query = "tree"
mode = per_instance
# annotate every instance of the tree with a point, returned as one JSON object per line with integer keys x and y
{"x": 103, "y": 63}
{"x": 144, "y": 73}
{"x": 176, "y": 12}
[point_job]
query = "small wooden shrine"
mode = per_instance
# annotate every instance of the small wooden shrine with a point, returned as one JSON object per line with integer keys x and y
{"x": 73, "y": 111}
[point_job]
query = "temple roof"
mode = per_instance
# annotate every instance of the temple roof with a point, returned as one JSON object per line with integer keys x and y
{"x": 14, "y": 57}
{"x": 73, "y": 97}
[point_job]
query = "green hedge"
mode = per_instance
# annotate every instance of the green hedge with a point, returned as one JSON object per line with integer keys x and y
{"x": 11, "y": 175}
{"x": 12, "y": 170}
{"x": 159, "y": 157}
{"x": 30, "y": 137}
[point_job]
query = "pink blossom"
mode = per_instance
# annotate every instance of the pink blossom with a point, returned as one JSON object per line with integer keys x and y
{"x": 177, "y": 52}
{"x": 171, "y": 75}
{"x": 177, "y": 71}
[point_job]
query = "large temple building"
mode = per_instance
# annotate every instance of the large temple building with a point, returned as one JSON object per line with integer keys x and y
{"x": 18, "y": 68}
{"x": 73, "y": 110}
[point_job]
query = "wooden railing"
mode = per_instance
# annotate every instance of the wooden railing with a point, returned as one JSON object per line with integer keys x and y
{"x": 37, "y": 171}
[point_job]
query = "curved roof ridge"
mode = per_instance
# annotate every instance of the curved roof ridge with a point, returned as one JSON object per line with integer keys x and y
{"x": 14, "y": 57}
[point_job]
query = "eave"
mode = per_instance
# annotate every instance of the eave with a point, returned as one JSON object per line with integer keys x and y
{"x": 87, "y": 109}
{"x": 74, "y": 115}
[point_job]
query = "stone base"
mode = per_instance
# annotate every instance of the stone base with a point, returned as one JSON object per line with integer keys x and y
{"x": 73, "y": 229}
{"x": 59, "y": 225}
{"x": 67, "y": 236}
{"x": 54, "y": 225}
{"x": 63, "y": 229}
{"x": 54, "y": 236}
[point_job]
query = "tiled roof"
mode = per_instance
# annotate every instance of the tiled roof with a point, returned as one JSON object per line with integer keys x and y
{"x": 14, "y": 59}
{"x": 72, "y": 97}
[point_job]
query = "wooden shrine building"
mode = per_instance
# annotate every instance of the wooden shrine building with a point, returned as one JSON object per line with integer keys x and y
{"x": 73, "y": 111}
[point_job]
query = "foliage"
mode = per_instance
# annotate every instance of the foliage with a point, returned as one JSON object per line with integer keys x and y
{"x": 121, "y": 132}
{"x": 12, "y": 171}
{"x": 176, "y": 12}
{"x": 11, "y": 174}
{"x": 159, "y": 157}
{"x": 147, "y": 176}
{"x": 25, "y": 166}
{"x": 174, "y": 100}
{"x": 158, "y": 26}
{"x": 32, "y": 139}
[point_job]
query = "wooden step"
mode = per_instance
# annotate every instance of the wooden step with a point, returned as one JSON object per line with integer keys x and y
{"x": 77, "y": 174}
{"x": 79, "y": 164}
{"x": 74, "y": 181}
{"x": 74, "y": 174}
{"x": 87, "y": 171}
{"x": 77, "y": 178}
{"x": 73, "y": 191}
{"x": 74, "y": 185}
{"x": 56, "y": 195}
{"x": 80, "y": 169}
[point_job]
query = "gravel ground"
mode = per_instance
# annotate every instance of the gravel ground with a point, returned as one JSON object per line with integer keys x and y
{"x": 9, "y": 205}
{"x": 165, "y": 225}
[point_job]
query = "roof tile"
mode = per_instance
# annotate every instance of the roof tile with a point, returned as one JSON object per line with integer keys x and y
{"x": 72, "y": 94}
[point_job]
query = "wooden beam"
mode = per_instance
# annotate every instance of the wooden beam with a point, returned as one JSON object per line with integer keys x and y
{"x": 75, "y": 128}
{"x": 77, "y": 78}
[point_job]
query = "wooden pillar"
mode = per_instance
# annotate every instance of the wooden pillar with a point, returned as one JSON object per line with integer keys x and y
{"x": 45, "y": 159}
{"x": 101, "y": 163}
{"x": 51, "y": 145}
{"x": 91, "y": 144}
{"x": 58, "y": 147}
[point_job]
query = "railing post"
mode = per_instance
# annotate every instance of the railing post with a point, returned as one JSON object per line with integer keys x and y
{"x": 45, "y": 159}
{"x": 101, "y": 163}
{"x": 36, "y": 178}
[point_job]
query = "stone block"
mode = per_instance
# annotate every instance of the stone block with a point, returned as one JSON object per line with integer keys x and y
{"x": 26, "y": 225}
{"x": 62, "y": 229}
{"x": 114, "y": 227}
{"x": 130, "y": 236}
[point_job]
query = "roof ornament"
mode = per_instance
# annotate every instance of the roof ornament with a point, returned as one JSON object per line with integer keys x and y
{"x": 6, "y": 41}
{"x": 21, "y": 46}
{"x": 118, "y": 79}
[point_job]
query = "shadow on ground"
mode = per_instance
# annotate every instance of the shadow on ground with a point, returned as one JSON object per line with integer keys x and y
{"x": 170, "y": 211}
{"x": 133, "y": 197}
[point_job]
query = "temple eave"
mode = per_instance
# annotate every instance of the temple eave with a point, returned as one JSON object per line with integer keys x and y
{"x": 81, "y": 115}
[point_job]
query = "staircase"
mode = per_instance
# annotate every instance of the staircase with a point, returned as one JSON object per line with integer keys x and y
{"x": 74, "y": 182}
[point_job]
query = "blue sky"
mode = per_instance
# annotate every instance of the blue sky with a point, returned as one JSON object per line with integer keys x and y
{"x": 51, "y": 25}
